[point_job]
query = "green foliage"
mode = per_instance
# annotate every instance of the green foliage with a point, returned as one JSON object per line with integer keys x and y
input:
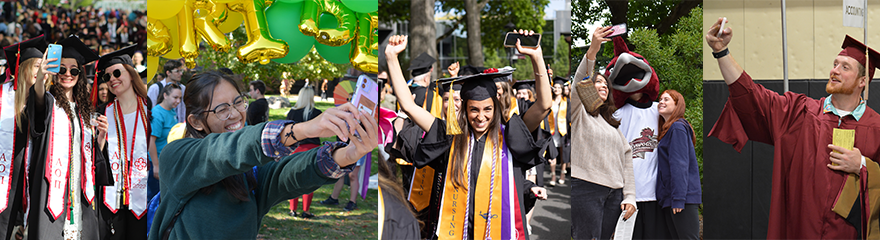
{"x": 495, "y": 59}
{"x": 524, "y": 14}
{"x": 676, "y": 59}
{"x": 561, "y": 63}
{"x": 391, "y": 11}
{"x": 312, "y": 66}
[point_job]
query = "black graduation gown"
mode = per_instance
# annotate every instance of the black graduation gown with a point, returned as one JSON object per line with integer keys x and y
{"x": 399, "y": 222}
{"x": 406, "y": 142}
{"x": 40, "y": 223}
{"x": 13, "y": 214}
{"x": 123, "y": 224}
{"x": 434, "y": 149}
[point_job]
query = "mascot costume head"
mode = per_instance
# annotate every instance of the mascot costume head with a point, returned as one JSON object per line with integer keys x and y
{"x": 629, "y": 73}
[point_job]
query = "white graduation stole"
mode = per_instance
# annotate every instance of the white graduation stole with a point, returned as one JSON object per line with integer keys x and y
{"x": 128, "y": 163}
{"x": 58, "y": 162}
{"x": 7, "y": 140}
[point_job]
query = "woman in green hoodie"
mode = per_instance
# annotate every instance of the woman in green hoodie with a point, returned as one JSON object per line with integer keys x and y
{"x": 219, "y": 186}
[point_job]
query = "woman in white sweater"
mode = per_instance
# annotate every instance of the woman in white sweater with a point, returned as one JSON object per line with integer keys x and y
{"x": 602, "y": 175}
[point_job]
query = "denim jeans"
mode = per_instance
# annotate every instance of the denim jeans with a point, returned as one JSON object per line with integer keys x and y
{"x": 594, "y": 210}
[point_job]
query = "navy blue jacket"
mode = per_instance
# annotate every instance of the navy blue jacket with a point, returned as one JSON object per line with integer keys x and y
{"x": 678, "y": 178}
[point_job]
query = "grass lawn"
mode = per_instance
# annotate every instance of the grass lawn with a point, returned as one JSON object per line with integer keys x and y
{"x": 331, "y": 222}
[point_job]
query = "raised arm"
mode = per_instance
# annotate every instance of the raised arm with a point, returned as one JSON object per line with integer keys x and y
{"x": 39, "y": 84}
{"x": 586, "y": 67}
{"x": 730, "y": 70}
{"x": 543, "y": 98}
{"x": 423, "y": 118}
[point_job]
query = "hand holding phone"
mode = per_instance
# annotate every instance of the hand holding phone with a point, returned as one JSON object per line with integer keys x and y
{"x": 54, "y": 51}
{"x": 720, "y": 30}
{"x": 527, "y": 41}
{"x": 617, "y": 30}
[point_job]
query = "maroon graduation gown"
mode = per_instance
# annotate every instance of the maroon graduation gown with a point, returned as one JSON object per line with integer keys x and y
{"x": 804, "y": 188}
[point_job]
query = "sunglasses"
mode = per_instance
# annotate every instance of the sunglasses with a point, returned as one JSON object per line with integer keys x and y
{"x": 73, "y": 71}
{"x": 116, "y": 73}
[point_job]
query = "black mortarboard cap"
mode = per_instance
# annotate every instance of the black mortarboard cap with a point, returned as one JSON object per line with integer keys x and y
{"x": 470, "y": 70}
{"x": 121, "y": 56}
{"x": 560, "y": 80}
{"x": 76, "y": 49}
{"x": 27, "y": 49}
{"x": 421, "y": 64}
{"x": 527, "y": 84}
{"x": 446, "y": 83}
{"x": 481, "y": 86}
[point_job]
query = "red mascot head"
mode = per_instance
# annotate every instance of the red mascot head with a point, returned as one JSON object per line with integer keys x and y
{"x": 630, "y": 73}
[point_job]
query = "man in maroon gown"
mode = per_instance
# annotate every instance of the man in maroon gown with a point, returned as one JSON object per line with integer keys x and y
{"x": 816, "y": 194}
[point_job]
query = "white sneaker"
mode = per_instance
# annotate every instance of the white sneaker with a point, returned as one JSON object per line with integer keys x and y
{"x": 561, "y": 181}
{"x": 530, "y": 229}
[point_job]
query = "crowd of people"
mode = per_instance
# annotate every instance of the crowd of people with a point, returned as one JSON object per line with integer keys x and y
{"x": 103, "y": 29}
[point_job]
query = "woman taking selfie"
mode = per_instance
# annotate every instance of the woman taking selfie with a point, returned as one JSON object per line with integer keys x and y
{"x": 62, "y": 189}
{"x": 209, "y": 194}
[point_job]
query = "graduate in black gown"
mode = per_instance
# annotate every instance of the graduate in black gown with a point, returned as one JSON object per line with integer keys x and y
{"x": 480, "y": 199}
{"x": 22, "y": 62}
{"x": 128, "y": 114}
{"x": 58, "y": 184}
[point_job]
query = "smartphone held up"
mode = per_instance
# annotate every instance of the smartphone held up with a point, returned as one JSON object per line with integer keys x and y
{"x": 530, "y": 41}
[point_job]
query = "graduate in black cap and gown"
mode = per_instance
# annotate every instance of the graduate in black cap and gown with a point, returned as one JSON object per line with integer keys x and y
{"x": 124, "y": 205}
{"x": 483, "y": 185}
{"x": 62, "y": 181}
{"x": 422, "y": 87}
{"x": 23, "y": 60}
{"x": 525, "y": 90}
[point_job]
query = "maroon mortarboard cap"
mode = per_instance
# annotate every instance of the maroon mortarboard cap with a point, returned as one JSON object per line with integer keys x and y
{"x": 857, "y": 50}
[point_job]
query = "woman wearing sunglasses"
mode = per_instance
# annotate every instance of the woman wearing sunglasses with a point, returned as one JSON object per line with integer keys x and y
{"x": 123, "y": 205}
{"x": 61, "y": 178}
{"x": 219, "y": 181}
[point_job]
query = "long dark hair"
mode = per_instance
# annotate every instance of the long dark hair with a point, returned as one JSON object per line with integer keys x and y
{"x": 80, "y": 96}
{"x": 607, "y": 108}
{"x": 461, "y": 140}
{"x": 197, "y": 98}
{"x": 391, "y": 185}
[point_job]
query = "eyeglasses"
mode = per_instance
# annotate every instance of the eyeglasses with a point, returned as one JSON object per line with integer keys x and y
{"x": 177, "y": 70}
{"x": 116, "y": 74}
{"x": 73, "y": 71}
{"x": 224, "y": 110}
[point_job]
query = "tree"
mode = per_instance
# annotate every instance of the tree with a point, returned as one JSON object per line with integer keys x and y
{"x": 486, "y": 21}
{"x": 422, "y": 32}
{"x": 658, "y": 15}
{"x": 312, "y": 66}
{"x": 560, "y": 59}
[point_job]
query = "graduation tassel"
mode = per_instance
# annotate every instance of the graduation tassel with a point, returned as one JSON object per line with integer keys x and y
{"x": 451, "y": 118}
{"x": 436, "y": 103}
{"x": 94, "y": 93}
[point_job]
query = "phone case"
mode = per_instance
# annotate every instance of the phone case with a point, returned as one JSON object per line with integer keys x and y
{"x": 54, "y": 51}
